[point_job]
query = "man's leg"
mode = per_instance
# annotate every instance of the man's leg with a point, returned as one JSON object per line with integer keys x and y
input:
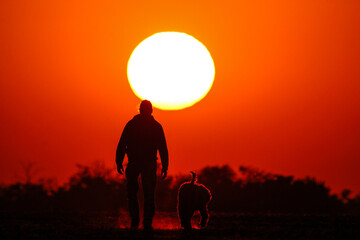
{"x": 148, "y": 178}
{"x": 132, "y": 174}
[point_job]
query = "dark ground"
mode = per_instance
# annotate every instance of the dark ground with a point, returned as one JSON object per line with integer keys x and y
{"x": 221, "y": 226}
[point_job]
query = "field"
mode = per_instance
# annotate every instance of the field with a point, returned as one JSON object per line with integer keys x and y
{"x": 221, "y": 226}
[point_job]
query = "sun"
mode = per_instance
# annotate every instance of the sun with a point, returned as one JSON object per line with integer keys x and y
{"x": 171, "y": 69}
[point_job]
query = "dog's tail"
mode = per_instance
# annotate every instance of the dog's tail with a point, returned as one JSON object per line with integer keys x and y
{"x": 194, "y": 177}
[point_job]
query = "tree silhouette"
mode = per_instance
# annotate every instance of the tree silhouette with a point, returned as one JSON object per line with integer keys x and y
{"x": 30, "y": 170}
{"x": 95, "y": 189}
{"x": 91, "y": 189}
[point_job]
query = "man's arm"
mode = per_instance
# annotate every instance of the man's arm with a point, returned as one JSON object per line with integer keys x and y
{"x": 164, "y": 155}
{"x": 121, "y": 150}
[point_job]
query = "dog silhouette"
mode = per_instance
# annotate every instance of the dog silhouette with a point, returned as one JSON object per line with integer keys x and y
{"x": 192, "y": 197}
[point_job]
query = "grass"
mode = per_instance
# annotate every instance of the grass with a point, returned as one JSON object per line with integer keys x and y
{"x": 221, "y": 226}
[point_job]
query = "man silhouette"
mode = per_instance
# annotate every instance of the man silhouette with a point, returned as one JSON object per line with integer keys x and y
{"x": 142, "y": 137}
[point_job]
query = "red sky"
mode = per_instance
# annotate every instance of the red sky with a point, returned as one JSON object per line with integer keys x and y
{"x": 285, "y": 97}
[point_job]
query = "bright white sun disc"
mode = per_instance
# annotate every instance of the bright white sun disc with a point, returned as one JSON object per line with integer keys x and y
{"x": 173, "y": 70}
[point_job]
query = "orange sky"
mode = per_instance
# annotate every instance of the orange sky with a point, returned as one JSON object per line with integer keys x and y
{"x": 285, "y": 97}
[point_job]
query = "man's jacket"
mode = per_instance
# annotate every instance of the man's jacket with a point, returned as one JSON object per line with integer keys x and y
{"x": 142, "y": 137}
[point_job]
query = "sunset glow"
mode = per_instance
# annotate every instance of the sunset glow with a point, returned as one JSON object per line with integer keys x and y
{"x": 285, "y": 99}
{"x": 172, "y": 69}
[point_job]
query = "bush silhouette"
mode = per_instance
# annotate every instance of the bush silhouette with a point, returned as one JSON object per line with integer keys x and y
{"x": 95, "y": 189}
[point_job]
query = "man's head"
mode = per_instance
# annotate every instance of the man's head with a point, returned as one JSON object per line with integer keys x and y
{"x": 146, "y": 107}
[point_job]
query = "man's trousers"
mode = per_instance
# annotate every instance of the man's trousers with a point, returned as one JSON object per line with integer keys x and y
{"x": 148, "y": 179}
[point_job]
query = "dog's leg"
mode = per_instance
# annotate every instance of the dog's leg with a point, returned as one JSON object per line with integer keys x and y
{"x": 185, "y": 218}
{"x": 204, "y": 216}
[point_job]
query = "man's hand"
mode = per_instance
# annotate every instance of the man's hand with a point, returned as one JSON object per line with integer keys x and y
{"x": 120, "y": 169}
{"x": 163, "y": 174}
